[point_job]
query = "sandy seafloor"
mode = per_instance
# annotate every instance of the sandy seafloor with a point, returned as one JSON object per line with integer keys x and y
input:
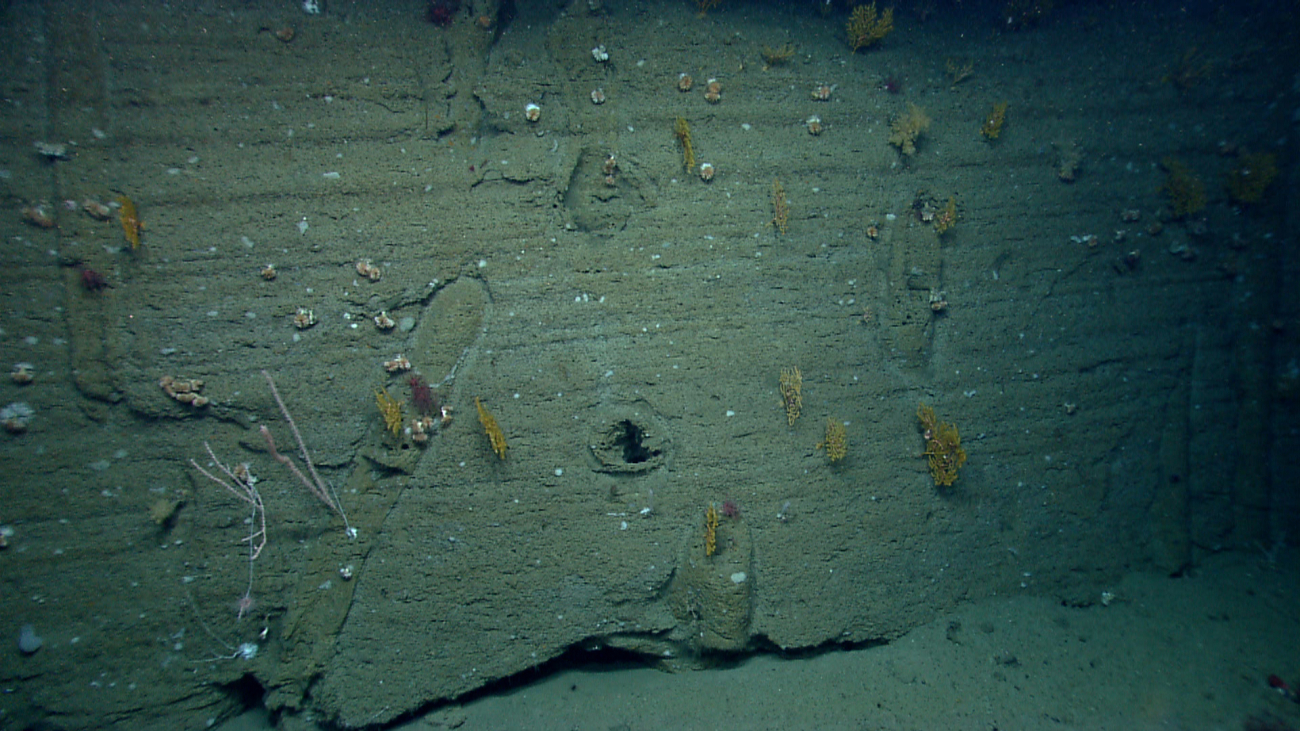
{"x": 1149, "y": 651}
{"x": 1188, "y": 653}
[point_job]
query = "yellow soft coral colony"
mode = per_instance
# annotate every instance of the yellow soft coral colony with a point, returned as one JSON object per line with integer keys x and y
{"x": 683, "y": 131}
{"x": 906, "y": 129}
{"x": 710, "y": 531}
{"x": 131, "y": 223}
{"x": 992, "y": 128}
{"x": 391, "y": 411}
{"x": 1253, "y": 174}
{"x": 1185, "y": 190}
{"x": 865, "y": 28}
{"x": 942, "y": 446}
{"x": 791, "y": 393}
{"x": 836, "y": 443}
{"x": 947, "y": 218}
{"x": 490, "y": 427}
{"x": 780, "y": 207}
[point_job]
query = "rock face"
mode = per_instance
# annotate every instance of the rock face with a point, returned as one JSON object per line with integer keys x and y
{"x": 627, "y": 334}
{"x": 712, "y": 597}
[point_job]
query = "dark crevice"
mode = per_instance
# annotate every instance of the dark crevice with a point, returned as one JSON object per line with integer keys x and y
{"x": 630, "y": 441}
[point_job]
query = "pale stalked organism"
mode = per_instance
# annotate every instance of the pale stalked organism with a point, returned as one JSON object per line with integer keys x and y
{"x": 713, "y": 91}
{"x": 22, "y": 374}
{"x": 398, "y": 364}
{"x": 368, "y": 270}
{"x": 304, "y": 319}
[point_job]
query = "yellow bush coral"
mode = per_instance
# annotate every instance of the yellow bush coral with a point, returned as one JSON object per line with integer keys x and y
{"x": 947, "y": 218}
{"x": 780, "y": 207}
{"x": 907, "y": 129}
{"x": 865, "y": 28}
{"x": 992, "y": 128}
{"x": 683, "y": 132}
{"x": 1253, "y": 174}
{"x": 491, "y": 428}
{"x": 391, "y": 410}
{"x": 836, "y": 443}
{"x": 1186, "y": 191}
{"x": 791, "y": 393}
{"x": 942, "y": 446}
{"x": 710, "y": 531}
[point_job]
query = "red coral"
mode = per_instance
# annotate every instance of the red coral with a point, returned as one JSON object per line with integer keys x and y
{"x": 441, "y": 12}
{"x": 731, "y": 509}
{"x": 93, "y": 281}
{"x": 422, "y": 396}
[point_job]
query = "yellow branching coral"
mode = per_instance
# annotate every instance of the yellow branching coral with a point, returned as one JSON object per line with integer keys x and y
{"x": 992, "y": 128}
{"x": 1021, "y": 14}
{"x": 942, "y": 446}
{"x": 947, "y": 218}
{"x": 959, "y": 71}
{"x": 1186, "y": 191}
{"x": 907, "y": 129}
{"x": 683, "y": 132}
{"x": 1253, "y": 174}
{"x": 710, "y": 531}
{"x": 131, "y": 223}
{"x": 836, "y": 443}
{"x": 491, "y": 428}
{"x": 1189, "y": 71}
{"x": 865, "y": 28}
{"x": 780, "y": 207}
{"x": 777, "y": 56}
{"x": 792, "y": 393}
{"x": 391, "y": 410}
{"x": 706, "y": 6}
